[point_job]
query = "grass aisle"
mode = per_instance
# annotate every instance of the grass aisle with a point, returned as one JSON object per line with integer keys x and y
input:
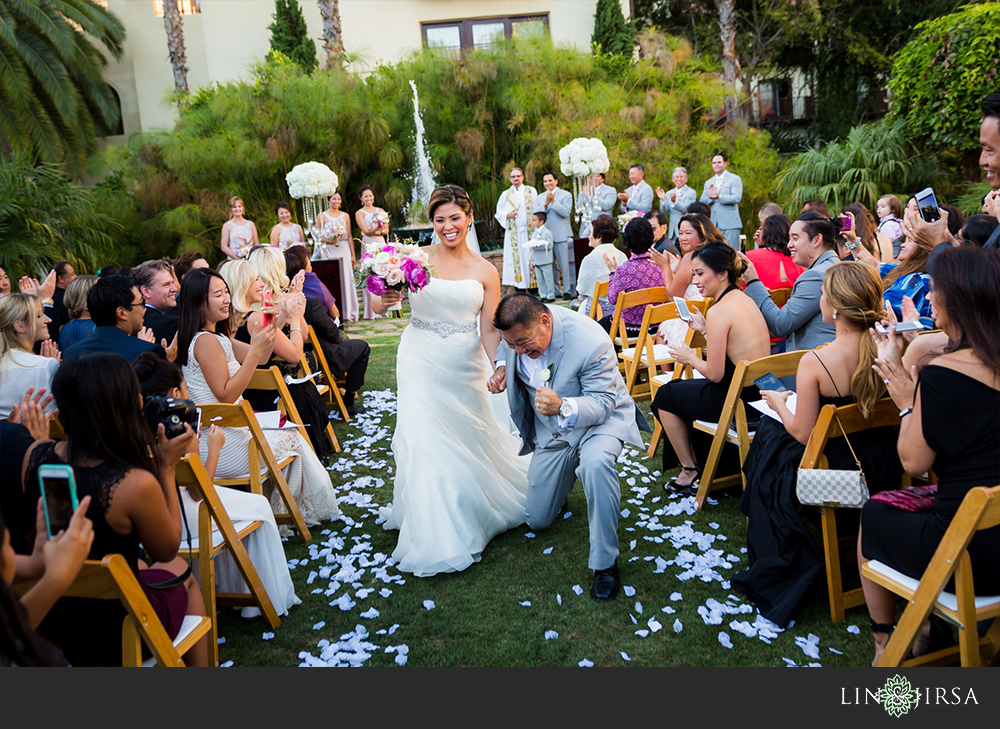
{"x": 527, "y": 602}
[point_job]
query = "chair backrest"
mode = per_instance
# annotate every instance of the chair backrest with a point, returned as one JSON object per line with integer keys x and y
{"x": 629, "y": 299}
{"x": 644, "y": 346}
{"x": 834, "y": 421}
{"x": 270, "y": 379}
{"x": 779, "y": 365}
{"x": 596, "y": 310}
{"x": 113, "y": 579}
{"x": 780, "y": 296}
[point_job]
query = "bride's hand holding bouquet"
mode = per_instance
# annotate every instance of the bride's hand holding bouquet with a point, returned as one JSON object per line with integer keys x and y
{"x": 386, "y": 269}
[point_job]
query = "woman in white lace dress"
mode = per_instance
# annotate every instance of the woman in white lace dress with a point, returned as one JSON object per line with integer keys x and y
{"x": 218, "y": 369}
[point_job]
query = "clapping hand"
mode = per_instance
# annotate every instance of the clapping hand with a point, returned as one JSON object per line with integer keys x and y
{"x": 43, "y": 290}
{"x": 498, "y": 382}
{"x": 298, "y": 282}
{"x": 712, "y": 193}
{"x": 663, "y": 260}
{"x": 147, "y": 335}
{"x": 51, "y": 350}
{"x": 900, "y": 384}
{"x": 170, "y": 349}
{"x": 611, "y": 262}
{"x": 31, "y": 413}
{"x": 661, "y": 193}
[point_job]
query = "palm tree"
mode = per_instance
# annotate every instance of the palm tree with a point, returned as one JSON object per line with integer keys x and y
{"x": 175, "y": 43}
{"x": 53, "y": 101}
{"x": 730, "y": 63}
{"x": 333, "y": 37}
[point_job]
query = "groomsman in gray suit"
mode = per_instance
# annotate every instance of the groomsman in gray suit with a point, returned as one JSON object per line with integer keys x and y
{"x": 557, "y": 204}
{"x": 605, "y": 198}
{"x": 573, "y": 412}
{"x": 675, "y": 203}
{"x": 640, "y": 195}
{"x": 723, "y": 193}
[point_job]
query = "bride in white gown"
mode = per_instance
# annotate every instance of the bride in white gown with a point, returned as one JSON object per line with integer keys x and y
{"x": 458, "y": 480}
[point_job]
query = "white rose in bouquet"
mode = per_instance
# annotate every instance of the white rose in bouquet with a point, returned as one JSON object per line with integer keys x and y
{"x": 395, "y": 277}
{"x": 311, "y": 179}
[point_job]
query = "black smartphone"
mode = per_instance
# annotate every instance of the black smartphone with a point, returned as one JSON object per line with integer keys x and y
{"x": 58, "y": 486}
{"x": 769, "y": 382}
{"x": 927, "y": 204}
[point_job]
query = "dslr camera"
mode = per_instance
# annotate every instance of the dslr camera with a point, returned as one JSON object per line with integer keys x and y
{"x": 172, "y": 412}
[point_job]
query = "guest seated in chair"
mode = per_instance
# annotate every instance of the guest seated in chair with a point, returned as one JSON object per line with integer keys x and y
{"x": 951, "y": 424}
{"x": 784, "y": 558}
{"x": 117, "y": 308}
{"x": 734, "y": 330}
{"x": 638, "y": 272}
{"x": 22, "y": 324}
{"x": 128, "y": 473}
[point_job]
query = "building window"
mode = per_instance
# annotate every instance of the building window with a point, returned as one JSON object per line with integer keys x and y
{"x": 775, "y": 100}
{"x": 187, "y": 7}
{"x": 455, "y": 36}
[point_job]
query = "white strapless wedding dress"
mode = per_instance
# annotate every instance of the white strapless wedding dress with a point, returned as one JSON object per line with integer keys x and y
{"x": 458, "y": 480}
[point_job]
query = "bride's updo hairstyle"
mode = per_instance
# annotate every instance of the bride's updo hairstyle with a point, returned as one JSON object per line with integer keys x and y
{"x": 720, "y": 258}
{"x": 449, "y": 194}
{"x": 854, "y": 290}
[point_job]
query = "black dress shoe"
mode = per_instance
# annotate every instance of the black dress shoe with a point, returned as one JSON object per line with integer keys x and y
{"x": 567, "y": 297}
{"x": 607, "y": 583}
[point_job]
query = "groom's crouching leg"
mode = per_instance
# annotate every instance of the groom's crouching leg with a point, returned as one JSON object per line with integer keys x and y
{"x": 599, "y": 475}
{"x": 551, "y": 475}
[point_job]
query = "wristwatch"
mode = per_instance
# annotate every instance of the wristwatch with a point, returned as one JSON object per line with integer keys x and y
{"x": 565, "y": 409}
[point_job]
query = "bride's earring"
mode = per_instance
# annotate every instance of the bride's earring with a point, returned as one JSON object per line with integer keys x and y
{"x": 834, "y": 313}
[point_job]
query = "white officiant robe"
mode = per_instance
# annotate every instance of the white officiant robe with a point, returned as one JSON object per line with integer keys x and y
{"x": 516, "y": 254}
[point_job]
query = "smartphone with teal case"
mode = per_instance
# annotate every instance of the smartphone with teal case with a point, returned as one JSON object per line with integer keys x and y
{"x": 58, "y": 486}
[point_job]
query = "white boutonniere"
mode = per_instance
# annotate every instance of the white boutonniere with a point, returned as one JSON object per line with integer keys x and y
{"x": 547, "y": 374}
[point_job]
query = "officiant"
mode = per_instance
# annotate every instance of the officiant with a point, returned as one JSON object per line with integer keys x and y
{"x": 514, "y": 210}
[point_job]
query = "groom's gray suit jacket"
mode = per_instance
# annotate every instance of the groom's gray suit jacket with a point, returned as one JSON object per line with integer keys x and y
{"x": 584, "y": 367}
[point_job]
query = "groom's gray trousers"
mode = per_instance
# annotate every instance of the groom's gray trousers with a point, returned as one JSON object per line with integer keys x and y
{"x": 553, "y": 471}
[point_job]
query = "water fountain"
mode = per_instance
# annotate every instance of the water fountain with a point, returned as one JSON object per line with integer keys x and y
{"x": 418, "y": 226}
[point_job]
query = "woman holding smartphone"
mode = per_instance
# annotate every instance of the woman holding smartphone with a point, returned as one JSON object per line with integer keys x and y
{"x": 784, "y": 558}
{"x": 734, "y": 330}
{"x": 129, "y": 475}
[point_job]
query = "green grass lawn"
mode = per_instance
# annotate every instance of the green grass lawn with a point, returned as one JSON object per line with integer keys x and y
{"x": 478, "y": 618}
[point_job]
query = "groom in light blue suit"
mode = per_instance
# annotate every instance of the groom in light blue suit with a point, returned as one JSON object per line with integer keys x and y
{"x": 573, "y": 412}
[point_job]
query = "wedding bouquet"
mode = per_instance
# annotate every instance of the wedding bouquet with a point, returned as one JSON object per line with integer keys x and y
{"x": 332, "y": 230}
{"x": 394, "y": 266}
{"x": 311, "y": 179}
{"x": 628, "y": 216}
{"x": 381, "y": 221}
{"x": 583, "y": 157}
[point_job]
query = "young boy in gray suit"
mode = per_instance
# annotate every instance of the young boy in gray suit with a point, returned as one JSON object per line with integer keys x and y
{"x": 542, "y": 259}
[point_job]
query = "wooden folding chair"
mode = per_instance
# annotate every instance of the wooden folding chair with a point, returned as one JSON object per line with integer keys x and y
{"x": 639, "y": 297}
{"x": 596, "y": 310}
{"x": 780, "y": 296}
{"x": 271, "y": 379}
{"x": 834, "y": 421}
{"x": 696, "y": 341}
{"x": 732, "y": 424}
{"x": 241, "y": 416}
{"x": 209, "y": 543}
{"x": 332, "y": 391}
{"x": 980, "y": 510}
{"x": 650, "y": 355}
{"x": 113, "y": 579}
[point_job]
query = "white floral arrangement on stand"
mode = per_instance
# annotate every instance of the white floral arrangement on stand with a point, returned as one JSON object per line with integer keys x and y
{"x": 313, "y": 183}
{"x": 580, "y": 159}
{"x": 627, "y": 217}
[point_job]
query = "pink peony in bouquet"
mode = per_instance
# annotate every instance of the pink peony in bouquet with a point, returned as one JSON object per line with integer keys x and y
{"x": 395, "y": 266}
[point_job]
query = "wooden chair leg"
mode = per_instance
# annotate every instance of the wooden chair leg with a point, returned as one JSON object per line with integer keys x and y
{"x": 712, "y": 463}
{"x": 131, "y": 644}
{"x": 831, "y": 550}
{"x": 332, "y": 437}
{"x": 654, "y": 440}
{"x": 968, "y": 631}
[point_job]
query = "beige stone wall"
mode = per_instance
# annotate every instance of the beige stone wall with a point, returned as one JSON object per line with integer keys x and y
{"x": 228, "y": 35}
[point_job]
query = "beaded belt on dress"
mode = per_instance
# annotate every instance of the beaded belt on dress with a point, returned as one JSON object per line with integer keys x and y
{"x": 442, "y": 328}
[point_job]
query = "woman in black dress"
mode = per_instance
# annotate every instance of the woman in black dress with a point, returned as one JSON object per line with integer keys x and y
{"x": 784, "y": 558}
{"x": 734, "y": 330}
{"x": 951, "y": 423}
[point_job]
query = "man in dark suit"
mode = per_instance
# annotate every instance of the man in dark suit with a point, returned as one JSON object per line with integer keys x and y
{"x": 156, "y": 283}
{"x": 56, "y": 310}
{"x": 117, "y": 308}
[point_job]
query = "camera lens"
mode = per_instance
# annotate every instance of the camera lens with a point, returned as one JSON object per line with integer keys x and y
{"x": 174, "y": 419}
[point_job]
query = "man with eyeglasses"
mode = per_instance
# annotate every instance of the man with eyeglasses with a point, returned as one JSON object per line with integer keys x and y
{"x": 117, "y": 308}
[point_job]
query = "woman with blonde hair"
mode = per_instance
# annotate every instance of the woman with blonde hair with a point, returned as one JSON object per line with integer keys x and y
{"x": 784, "y": 558}
{"x": 239, "y": 235}
{"x": 80, "y": 325}
{"x": 22, "y": 323}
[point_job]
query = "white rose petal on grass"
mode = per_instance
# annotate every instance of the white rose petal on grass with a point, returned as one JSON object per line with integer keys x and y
{"x": 401, "y": 659}
{"x": 223, "y": 640}
{"x": 585, "y": 664}
{"x": 551, "y": 635}
{"x": 675, "y": 596}
{"x": 642, "y": 633}
{"x": 267, "y": 636}
{"x": 629, "y": 591}
{"x": 638, "y": 607}
{"x": 319, "y": 625}
{"x": 547, "y": 551}
{"x": 370, "y": 613}
{"x": 227, "y": 664}
{"x": 577, "y": 589}
{"x": 567, "y": 515}
{"x": 624, "y": 656}
{"x": 530, "y": 535}
{"x": 668, "y": 610}
{"x": 834, "y": 650}
{"x": 559, "y": 598}
{"x": 385, "y": 592}
{"x": 725, "y": 640}
{"x": 429, "y": 604}
{"x": 854, "y": 629}
{"x": 526, "y": 603}
{"x": 677, "y": 626}
{"x": 654, "y": 625}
